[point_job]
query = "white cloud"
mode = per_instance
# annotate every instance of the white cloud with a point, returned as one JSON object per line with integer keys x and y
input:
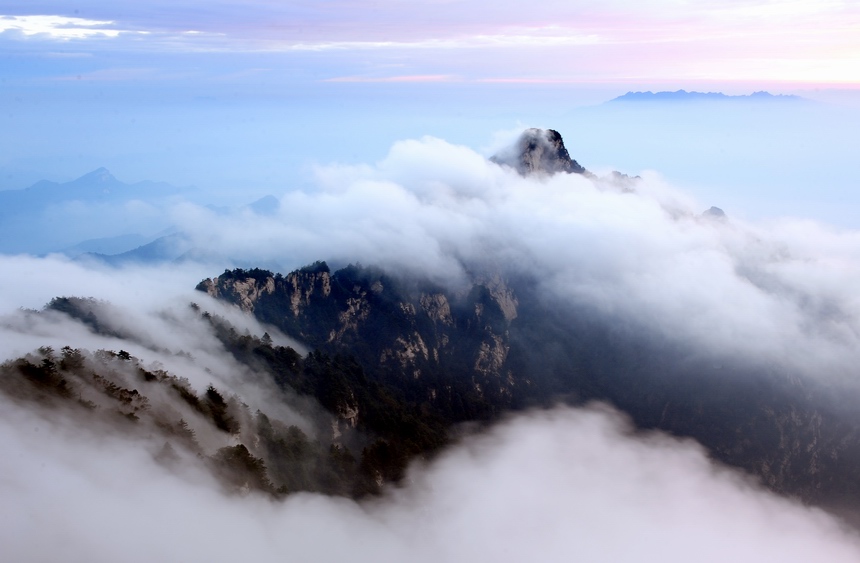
{"x": 779, "y": 292}
{"x": 550, "y": 36}
{"x": 557, "y": 486}
{"x": 563, "y": 485}
{"x": 59, "y": 27}
{"x": 150, "y": 309}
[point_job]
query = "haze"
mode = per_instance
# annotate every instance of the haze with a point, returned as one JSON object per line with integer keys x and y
{"x": 241, "y": 100}
{"x": 371, "y": 125}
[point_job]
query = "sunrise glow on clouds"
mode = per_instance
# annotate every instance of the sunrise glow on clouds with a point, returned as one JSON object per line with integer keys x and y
{"x": 467, "y": 40}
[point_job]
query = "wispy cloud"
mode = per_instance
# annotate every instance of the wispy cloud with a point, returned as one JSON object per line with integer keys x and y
{"x": 516, "y": 41}
{"x": 402, "y": 78}
{"x": 537, "y": 37}
{"x": 60, "y": 27}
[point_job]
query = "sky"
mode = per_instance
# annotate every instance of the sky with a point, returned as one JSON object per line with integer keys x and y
{"x": 585, "y": 41}
{"x": 244, "y": 99}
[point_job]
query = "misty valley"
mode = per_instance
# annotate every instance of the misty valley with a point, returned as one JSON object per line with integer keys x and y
{"x": 448, "y": 355}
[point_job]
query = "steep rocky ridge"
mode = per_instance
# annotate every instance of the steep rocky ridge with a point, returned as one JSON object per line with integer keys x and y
{"x": 115, "y": 393}
{"x": 503, "y": 345}
{"x": 455, "y": 345}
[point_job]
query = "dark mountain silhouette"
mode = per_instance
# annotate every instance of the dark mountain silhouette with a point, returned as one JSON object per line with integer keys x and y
{"x": 112, "y": 392}
{"x": 399, "y": 363}
{"x": 446, "y": 357}
{"x": 52, "y": 217}
{"x": 173, "y": 248}
{"x": 107, "y": 245}
{"x": 167, "y": 248}
{"x": 684, "y": 96}
{"x": 97, "y": 186}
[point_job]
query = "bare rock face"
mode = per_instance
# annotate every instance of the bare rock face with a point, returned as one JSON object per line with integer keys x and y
{"x": 245, "y": 293}
{"x": 437, "y": 308}
{"x": 248, "y": 288}
{"x": 465, "y": 356}
{"x": 362, "y": 312}
{"x": 539, "y": 151}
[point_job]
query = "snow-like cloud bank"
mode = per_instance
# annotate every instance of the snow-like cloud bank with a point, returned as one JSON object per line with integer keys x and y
{"x": 777, "y": 291}
{"x": 560, "y": 485}
{"x": 556, "y": 486}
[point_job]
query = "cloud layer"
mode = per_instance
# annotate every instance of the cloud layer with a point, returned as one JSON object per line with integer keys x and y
{"x": 552, "y": 486}
{"x": 798, "y": 41}
{"x": 557, "y": 486}
{"x": 780, "y": 292}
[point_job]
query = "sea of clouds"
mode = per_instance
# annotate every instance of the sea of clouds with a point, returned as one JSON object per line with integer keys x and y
{"x": 557, "y": 485}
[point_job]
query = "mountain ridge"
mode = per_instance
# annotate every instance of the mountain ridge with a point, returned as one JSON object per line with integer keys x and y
{"x": 45, "y": 217}
{"x": 427, "y": 342}
{"x": 405, "y": 363}
{"x": 685, "y": 96}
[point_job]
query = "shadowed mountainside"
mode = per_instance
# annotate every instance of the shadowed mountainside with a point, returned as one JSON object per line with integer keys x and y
{"x": 500, "y": 345}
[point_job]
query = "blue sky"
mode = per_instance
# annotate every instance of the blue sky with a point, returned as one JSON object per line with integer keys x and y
{"x": 584, "y": 41}
{"x": 244, "y": 99}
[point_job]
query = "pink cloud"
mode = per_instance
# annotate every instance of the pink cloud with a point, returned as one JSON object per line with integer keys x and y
{"x": 549, "y": 42}
{"x": 404, "y": 78}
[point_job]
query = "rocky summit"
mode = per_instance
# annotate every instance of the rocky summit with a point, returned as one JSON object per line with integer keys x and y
{"x": 539, "y": 151}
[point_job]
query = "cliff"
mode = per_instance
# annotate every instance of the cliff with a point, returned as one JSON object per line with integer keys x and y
{"x": 452, "y": 357}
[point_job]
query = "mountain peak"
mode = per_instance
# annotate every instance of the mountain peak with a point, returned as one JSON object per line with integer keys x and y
{"x": 685, "y": 96}
{"x": 539, "y": 150}
{"x": 101, "y": 174}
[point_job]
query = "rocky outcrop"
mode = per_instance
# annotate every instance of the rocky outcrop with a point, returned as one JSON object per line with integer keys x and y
{"x": 400, "y": 333}
{"x": 539, "y": 151}
{"x": 542, "y": 152}
{"x": 458, "y": 356}
{"x": 437, "y": 308}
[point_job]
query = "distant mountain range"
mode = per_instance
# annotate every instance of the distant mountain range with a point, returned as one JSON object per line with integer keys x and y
{"x": 684, "y": 96}
{"x": 97, "y": 208}
{"x": 102, "y": 217}
{"x": 97, "y": 186}
{"x": 107, "y": 245}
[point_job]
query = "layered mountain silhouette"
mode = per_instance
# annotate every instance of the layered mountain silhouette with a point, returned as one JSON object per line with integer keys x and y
{"x": 684, "y": 96}
{"x": 97, "y": 186}
{"x": 399, "y": 363}
{"x": 107, "y": 245}
{"x": 167, "y": 248}
{"x": 97, "y": 209}
{"x": 52, "y": 217}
